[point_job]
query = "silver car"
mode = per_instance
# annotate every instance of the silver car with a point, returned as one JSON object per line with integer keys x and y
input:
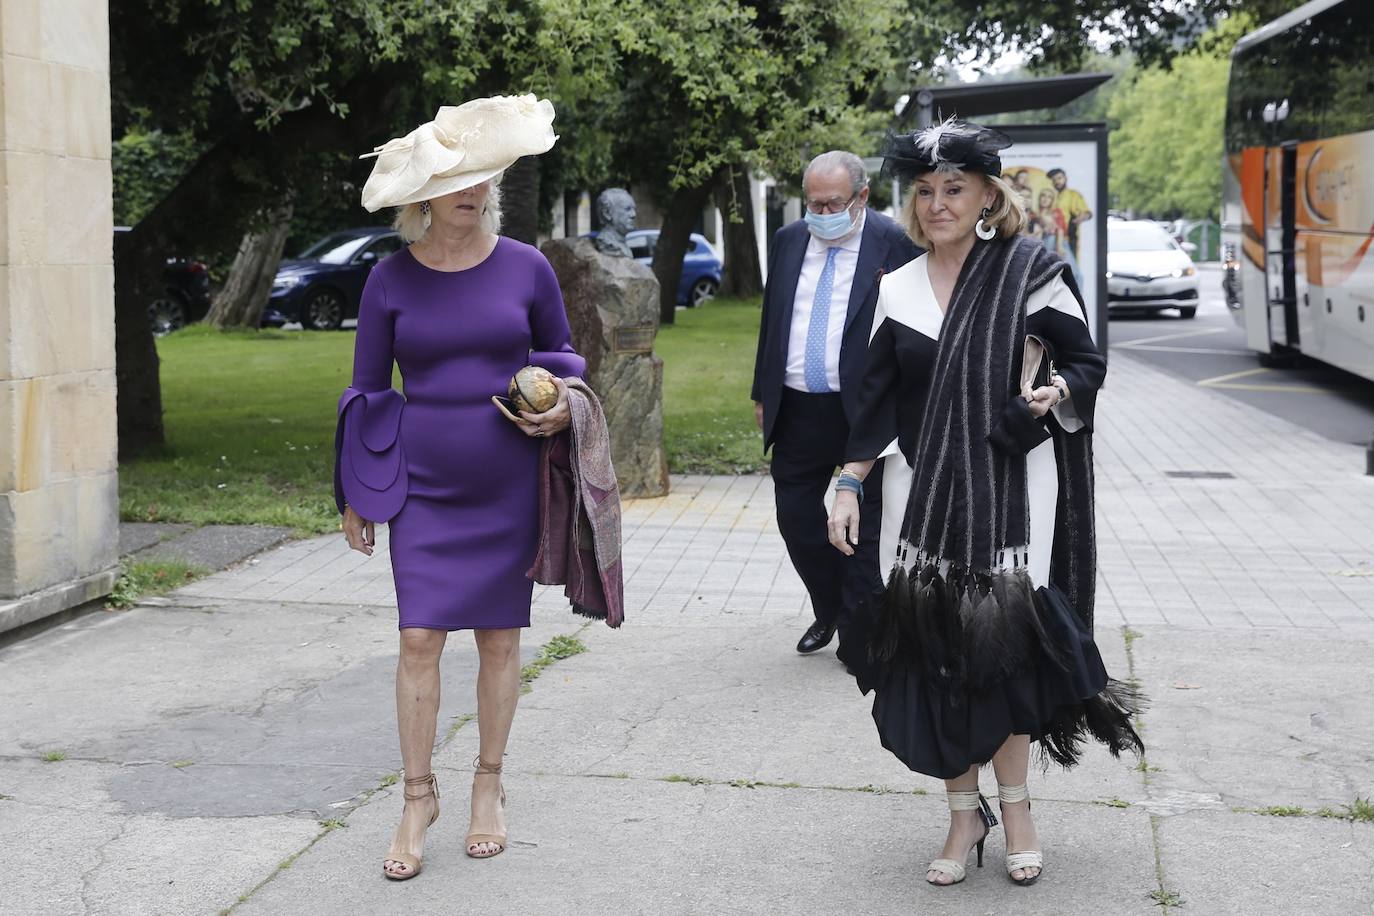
{"x": 1147, "y": 269}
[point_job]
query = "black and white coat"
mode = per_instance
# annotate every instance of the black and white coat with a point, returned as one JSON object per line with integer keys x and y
{"x": 902, "y": 345}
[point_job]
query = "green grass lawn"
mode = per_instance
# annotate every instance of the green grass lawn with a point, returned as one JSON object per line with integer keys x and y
{"x": 708, "y": 367}
{"x": 250, "y": 418}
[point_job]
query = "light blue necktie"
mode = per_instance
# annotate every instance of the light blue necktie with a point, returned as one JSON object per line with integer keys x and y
{"x": 813, "y": 369}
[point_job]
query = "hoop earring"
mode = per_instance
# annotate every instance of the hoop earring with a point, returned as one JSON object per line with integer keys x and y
{"x": 983, "y": 230}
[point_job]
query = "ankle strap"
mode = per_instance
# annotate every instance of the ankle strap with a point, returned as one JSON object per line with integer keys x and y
{"x": 481, "y": 767}
{"x": 1012, "y": 794}
{"x": 963, "y": 801}
{"x": 427, "y": 779}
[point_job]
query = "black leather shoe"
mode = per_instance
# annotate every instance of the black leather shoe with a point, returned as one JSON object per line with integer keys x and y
{"x": 818, "y": 636}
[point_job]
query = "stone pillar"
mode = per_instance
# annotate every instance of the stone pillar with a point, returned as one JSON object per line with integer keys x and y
{"x": 612, "y": 308}
{"x": 59, "y": 495}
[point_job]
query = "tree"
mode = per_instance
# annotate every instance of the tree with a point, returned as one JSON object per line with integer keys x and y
{"x": 1166, "y": 138}
{"x": 709, "y": 86}
{"x": 268, "y": 89}
{"x": 735, "y": 201}
{"x": 244, "y": 297}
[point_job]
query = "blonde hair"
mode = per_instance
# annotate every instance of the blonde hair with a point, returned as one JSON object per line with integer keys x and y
{"x": 412, "y": 224}
{"x": 1007, "y": 216}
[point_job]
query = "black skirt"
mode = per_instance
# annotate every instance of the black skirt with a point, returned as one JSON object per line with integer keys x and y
{"x": 942, "y": 717}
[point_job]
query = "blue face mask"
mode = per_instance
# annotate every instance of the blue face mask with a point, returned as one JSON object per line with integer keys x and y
{"x": 829, "y": 226}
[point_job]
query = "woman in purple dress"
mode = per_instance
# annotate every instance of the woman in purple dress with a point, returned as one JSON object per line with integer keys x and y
{"x": 459, "y": 312}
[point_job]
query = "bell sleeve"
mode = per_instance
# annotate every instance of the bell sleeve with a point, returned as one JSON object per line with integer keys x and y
{"x": 550, "y": 337}
{"x": 369, "y": 456}
{"x": 874, "y": 433}
{"x": 1055, "y": 314}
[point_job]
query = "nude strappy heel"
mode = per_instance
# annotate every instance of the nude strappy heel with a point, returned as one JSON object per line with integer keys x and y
{"x": 481, "y": 768}
{"x": 1031, "y": 858}
{"x": 413, "y": 862}
{"x": 965, "y": 801}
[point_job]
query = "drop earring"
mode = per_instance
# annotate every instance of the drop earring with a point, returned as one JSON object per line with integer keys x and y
{"x": 982, "y": 229}
{"x": 424, "y": 208}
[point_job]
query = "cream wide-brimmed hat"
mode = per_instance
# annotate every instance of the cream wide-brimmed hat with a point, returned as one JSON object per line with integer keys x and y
{"x": 463, "y": 146}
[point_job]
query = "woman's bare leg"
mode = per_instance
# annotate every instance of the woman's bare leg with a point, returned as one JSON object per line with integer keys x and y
{"x": 498, "y": 692}
{"x": 1010, "y": 763}
{"x": 965, "y": 828}
{"x": 417, "y": 712}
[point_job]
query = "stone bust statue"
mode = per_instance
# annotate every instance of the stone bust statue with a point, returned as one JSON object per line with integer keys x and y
{"x": 616, "y": 209}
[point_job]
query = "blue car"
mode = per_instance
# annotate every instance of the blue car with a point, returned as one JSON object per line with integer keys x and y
{"x": 322, "y": 286}
{"x": 700, "y": 266}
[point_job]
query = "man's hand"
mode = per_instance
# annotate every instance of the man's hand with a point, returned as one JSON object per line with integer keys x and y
{"x": 758, "y": 414}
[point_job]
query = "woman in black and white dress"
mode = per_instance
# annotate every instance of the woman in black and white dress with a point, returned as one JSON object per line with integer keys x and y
{"x": 982, "y": 641}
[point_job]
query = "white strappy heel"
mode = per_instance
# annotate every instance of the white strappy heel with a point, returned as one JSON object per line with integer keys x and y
{"x": 964, "y": 801}
{"x": 1031, "y": 858}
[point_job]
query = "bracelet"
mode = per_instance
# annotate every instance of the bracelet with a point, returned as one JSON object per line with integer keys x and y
{"x": 1062, "y": 387}
{"x": 851, "y": 482}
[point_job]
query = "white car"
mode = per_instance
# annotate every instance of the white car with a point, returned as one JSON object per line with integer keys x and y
{"x": 1147, "y": 269}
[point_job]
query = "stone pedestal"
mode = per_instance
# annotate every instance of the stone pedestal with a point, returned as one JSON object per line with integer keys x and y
{"x": 613, "y": 309}
{"x": 59, "y": 495}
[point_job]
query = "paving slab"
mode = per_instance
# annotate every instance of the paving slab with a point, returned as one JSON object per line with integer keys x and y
{"x": 1226, "y": 864}
{"x": 583, "y": 845}
{"x": 754, "y": 711}
{"x": 1258, "y": 717}
{"x": 212, "y": 546}
{"x": 134, "y": 536}
{"x": 93, "y": 858}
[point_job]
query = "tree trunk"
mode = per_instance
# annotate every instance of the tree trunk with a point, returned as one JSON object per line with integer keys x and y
{"x": 520, "y": 201}
{"x": 138, "y": 399}
{"x": 244, "y": 297}
{"x": 735, "y": 200}
{"x": 679, "y": 218}
{"x": 234, "y": 178}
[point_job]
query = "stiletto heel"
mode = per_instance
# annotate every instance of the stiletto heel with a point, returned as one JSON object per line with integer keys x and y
{"x": 965, "y": 801}
{"x": 487, "y": 839}
{"x": 1031, "y": 858}
{"x": 404, "y": 858}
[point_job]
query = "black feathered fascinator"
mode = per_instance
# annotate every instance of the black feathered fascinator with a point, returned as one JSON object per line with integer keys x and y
{"x": 951, "y": 145}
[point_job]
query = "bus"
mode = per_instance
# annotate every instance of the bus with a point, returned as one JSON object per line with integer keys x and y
{"x": 1298, "y": 186}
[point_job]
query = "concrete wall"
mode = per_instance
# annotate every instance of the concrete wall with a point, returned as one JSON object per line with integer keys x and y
{"x": 59, "y": 497}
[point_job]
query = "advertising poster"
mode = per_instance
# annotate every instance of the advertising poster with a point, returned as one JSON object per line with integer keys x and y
{"x": 1061, "y": 183}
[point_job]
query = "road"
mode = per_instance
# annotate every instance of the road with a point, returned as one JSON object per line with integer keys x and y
{"x": 1210, "y": 351}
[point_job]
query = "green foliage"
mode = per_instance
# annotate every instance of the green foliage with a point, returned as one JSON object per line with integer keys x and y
{"x": 150, "y": 577}
{"x": 1166, "y": 141}
{"x": 146, "y": 165}
{"x": 54, "y": 756}
{"x": 555, "y": 650}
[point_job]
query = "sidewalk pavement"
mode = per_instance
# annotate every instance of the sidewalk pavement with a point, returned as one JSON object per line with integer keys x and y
{"x": 235, "y": 749}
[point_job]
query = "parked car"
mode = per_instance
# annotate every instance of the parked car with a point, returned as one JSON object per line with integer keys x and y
{"x": 185, "y": 297}
{"x": 321, "y": 287}
{"x": 1147, "y": 269}
{"x": 700, "y": 266}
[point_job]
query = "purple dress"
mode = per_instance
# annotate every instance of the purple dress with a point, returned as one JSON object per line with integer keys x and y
{"x": 457, "y": 481}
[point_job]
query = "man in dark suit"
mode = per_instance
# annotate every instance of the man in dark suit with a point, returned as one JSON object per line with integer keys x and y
{"x": 813, "y": 344}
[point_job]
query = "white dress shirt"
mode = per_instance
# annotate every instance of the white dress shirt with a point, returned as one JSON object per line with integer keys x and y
{"x": 794, "y": 376}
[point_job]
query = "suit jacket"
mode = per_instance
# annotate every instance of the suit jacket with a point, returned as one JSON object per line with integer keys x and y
{"x": 884, "y": 247}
